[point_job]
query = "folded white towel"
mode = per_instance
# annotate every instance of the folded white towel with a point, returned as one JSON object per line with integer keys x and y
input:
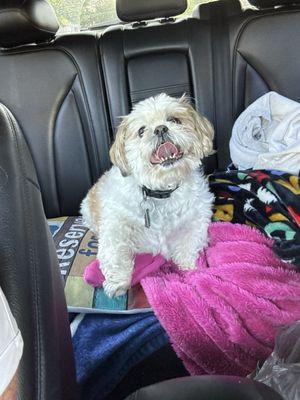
{"x": 267, "y": 135}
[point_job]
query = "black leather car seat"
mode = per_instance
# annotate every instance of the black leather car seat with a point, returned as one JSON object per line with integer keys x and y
{"x": 52, "y": 84}
{"x": 206, "y": 388}
{"x": 145, "y": 58}
{"x": 29, "y": 274}
{"x": 265, "y": 52}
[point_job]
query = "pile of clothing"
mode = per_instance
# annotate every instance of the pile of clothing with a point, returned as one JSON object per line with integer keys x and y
{"x": 261, "y": 187}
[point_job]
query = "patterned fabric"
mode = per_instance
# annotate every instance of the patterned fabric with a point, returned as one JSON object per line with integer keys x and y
{"x": 76, "y": 247}
{"x": 267, "y": 200}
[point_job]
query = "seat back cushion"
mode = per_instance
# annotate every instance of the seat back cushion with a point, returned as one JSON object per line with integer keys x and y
{"x": 56, "y": 96}
{"x": 173, "y": 58}
{"x": 266, "y": 57}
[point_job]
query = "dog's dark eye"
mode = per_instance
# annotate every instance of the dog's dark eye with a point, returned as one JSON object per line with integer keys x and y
{"x": 141, "y": 131}
{"x": 174, "y": 120}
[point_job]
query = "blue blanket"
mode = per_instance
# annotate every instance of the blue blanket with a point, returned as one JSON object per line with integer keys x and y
{"x": 106, "y": 347}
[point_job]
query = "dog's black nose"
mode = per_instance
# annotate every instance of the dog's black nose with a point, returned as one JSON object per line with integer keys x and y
{"x": 161, "y": 130}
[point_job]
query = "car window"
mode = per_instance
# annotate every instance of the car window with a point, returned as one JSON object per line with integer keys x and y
{"x": 75, "y": 15}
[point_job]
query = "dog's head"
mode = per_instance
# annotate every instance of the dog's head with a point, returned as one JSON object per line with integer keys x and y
{"x": 161, "y": 141}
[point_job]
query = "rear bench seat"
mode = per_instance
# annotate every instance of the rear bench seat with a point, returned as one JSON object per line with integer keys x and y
{"x": 56, "y": 92}
{"x": 224, "y": 59}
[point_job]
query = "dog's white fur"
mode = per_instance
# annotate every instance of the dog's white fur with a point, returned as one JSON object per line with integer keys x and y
{"x": 112, "y": 208}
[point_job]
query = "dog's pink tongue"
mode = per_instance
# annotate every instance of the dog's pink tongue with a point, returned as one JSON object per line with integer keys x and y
{"x": 166, "y": 150}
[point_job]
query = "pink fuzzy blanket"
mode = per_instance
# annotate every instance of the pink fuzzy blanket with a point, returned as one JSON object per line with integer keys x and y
{"x": 222, "y": 317}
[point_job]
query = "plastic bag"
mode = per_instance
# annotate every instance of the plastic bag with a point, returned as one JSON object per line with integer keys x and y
{"x": 281, "y": 370}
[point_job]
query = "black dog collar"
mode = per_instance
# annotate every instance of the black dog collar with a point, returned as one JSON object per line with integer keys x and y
{"x": 157, "y": 194}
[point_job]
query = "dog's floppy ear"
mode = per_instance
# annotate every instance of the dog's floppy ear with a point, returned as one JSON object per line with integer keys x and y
{"x": 202, "y": 128}
{"x": 205, "y": 132}
{"x": 117, "y": 150}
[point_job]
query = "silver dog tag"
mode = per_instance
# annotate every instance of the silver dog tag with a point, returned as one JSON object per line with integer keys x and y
{"x": 147, "y": 206}
{"x": 147, "y": 218}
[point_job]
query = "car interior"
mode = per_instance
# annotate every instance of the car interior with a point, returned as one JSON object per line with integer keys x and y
{"x": 61, "y": 97}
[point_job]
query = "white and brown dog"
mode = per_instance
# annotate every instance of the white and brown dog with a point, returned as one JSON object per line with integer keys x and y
{"x": 154, "y": 199}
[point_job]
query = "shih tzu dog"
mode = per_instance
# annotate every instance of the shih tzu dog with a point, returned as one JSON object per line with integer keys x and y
{"x": 154, "y": 199}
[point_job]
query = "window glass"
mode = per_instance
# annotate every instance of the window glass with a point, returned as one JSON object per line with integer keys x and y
{"x": 74, "y": 15}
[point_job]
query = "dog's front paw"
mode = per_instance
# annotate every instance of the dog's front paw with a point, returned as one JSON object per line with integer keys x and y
{"x": 186, "y": 263}
{"x": 115, "y": 289}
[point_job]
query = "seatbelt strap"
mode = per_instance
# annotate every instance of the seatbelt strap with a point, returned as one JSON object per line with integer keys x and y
{"x": 222, "y": 81}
